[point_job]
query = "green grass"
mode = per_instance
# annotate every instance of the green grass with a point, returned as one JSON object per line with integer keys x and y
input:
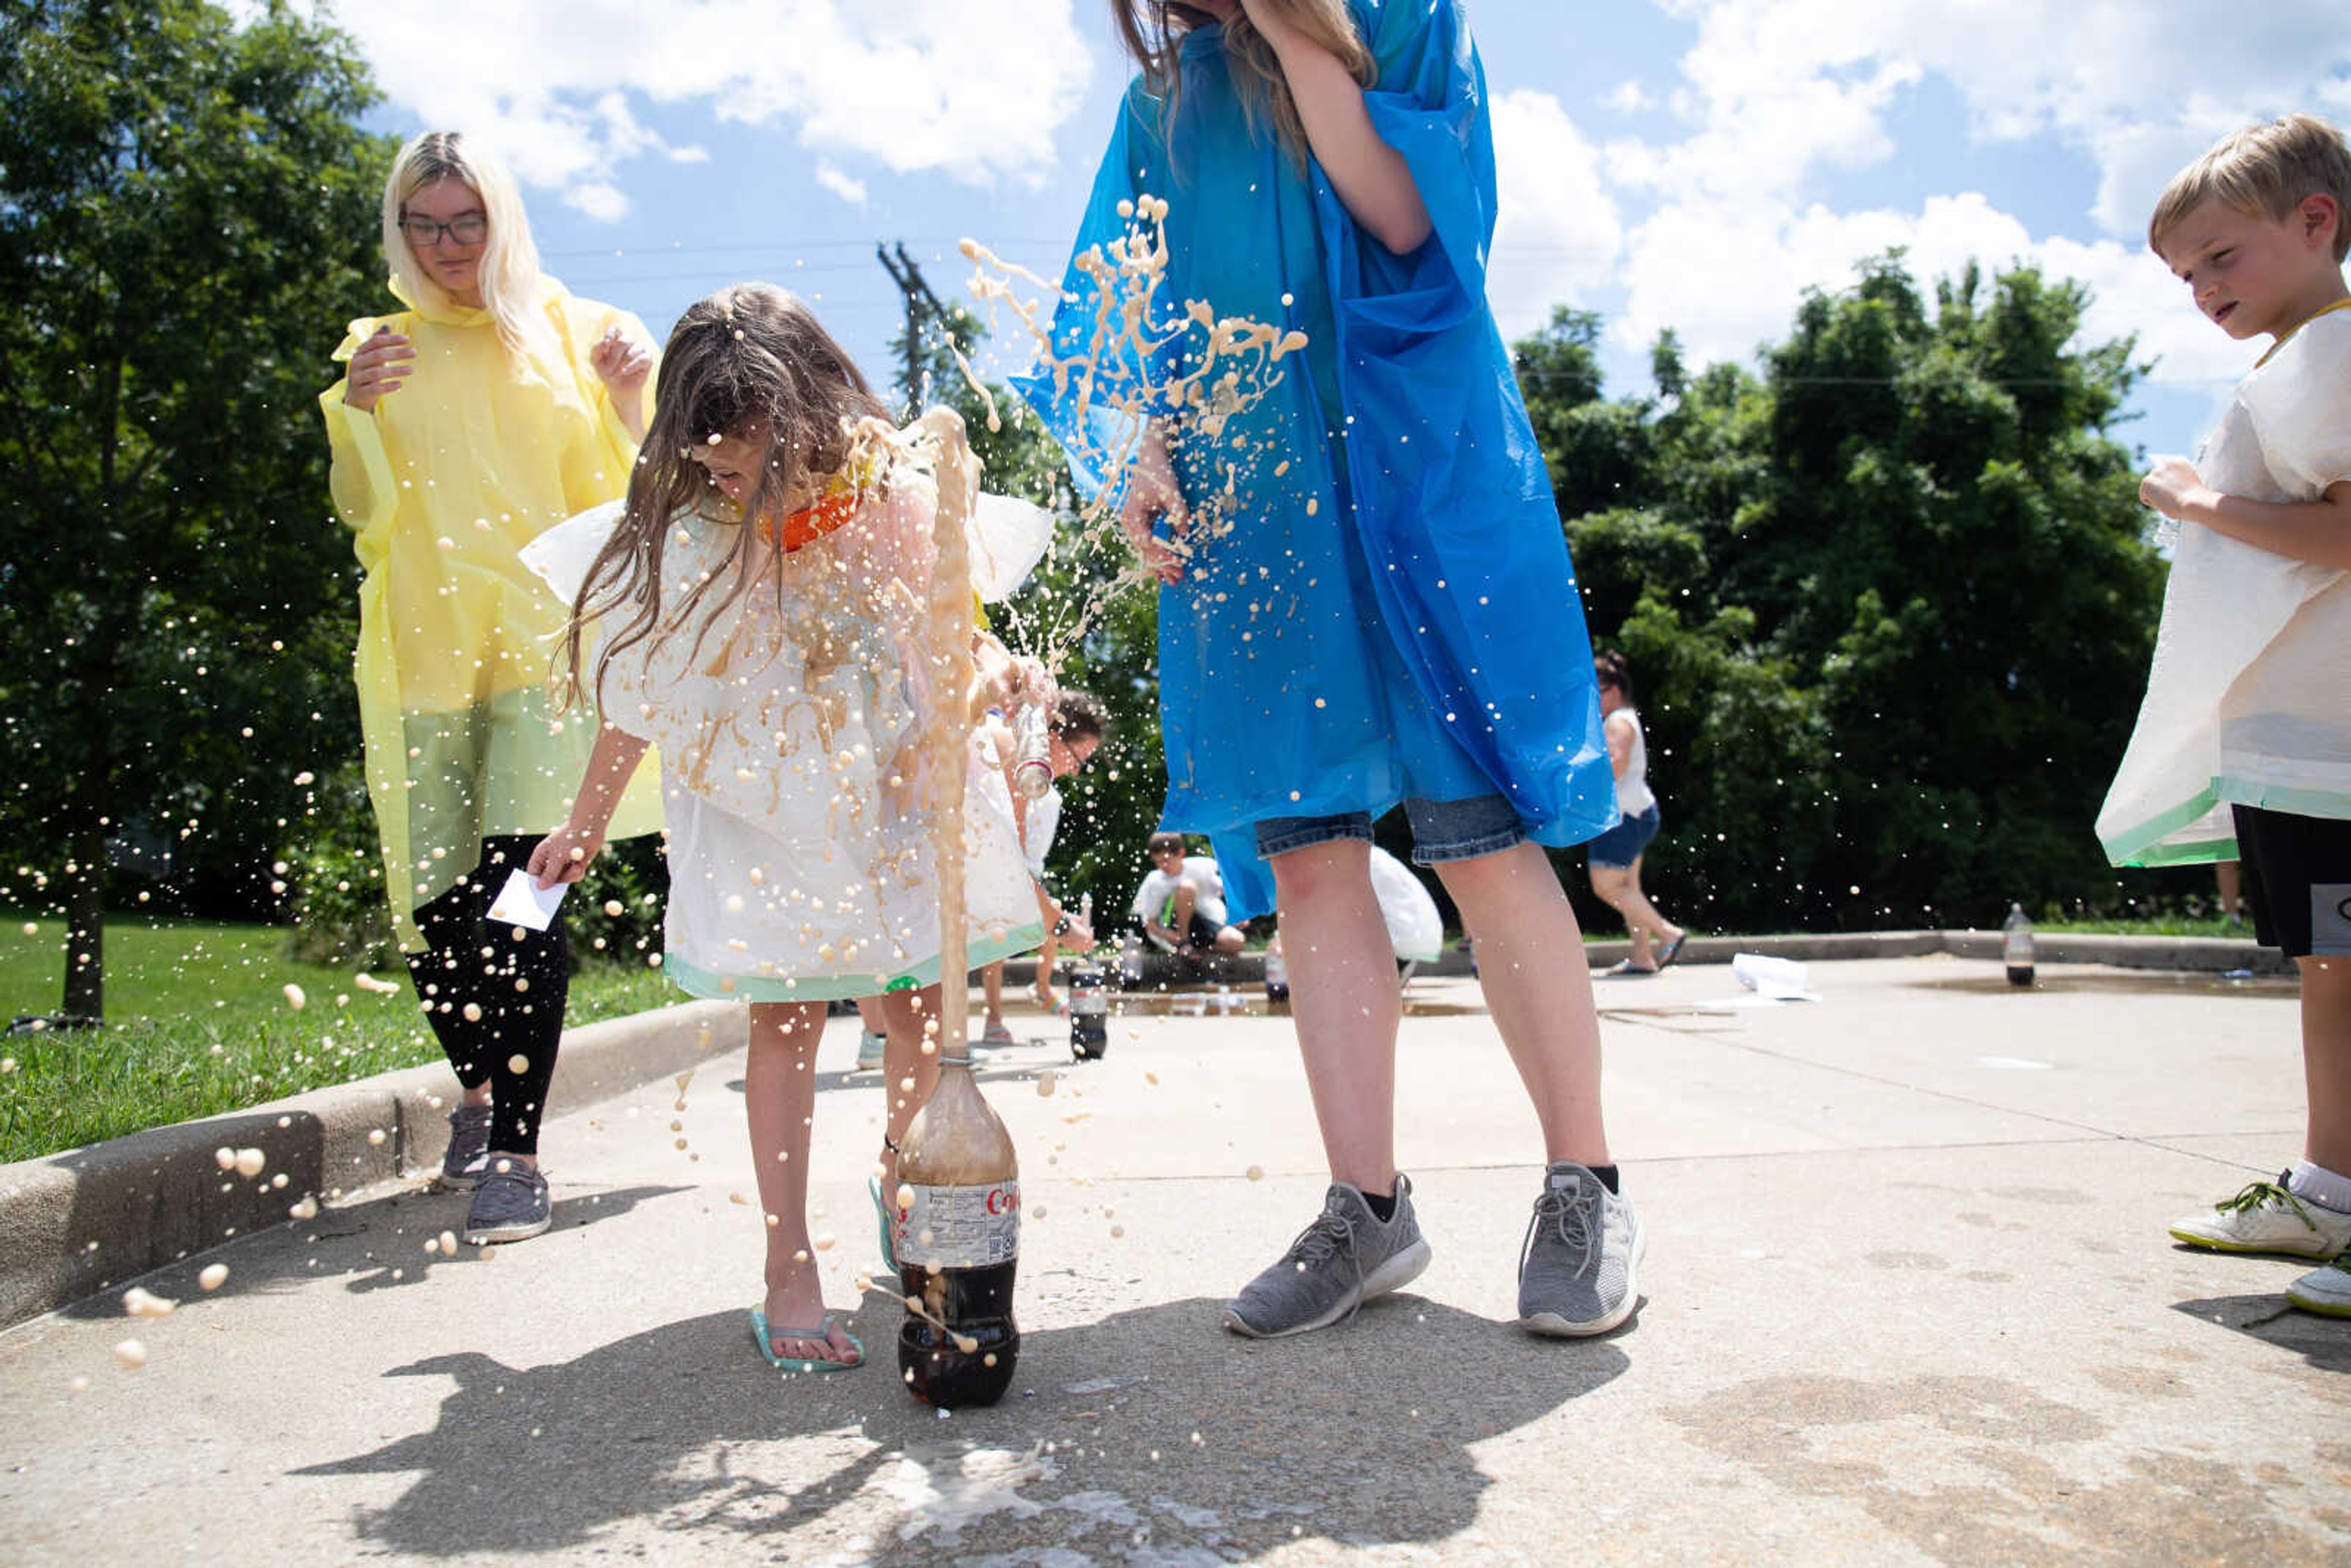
{"x": 2160, "y": 926}
{"x": 198, "y": 1022}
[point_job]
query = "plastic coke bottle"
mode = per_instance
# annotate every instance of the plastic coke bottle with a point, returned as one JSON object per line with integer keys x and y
{"x": 958, "y": 1245}
{"x": 1277, "y": 976}
{"x": 2016, "y": 945}
{"x": 1088, "y": 1015}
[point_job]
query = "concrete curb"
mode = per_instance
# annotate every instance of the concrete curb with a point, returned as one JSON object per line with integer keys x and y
{"x": 2200, "y": 954}
{"x": 73, "y": 1223}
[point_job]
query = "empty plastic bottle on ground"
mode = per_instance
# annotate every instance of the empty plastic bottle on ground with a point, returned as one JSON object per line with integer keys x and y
{"x": 2016, "y": 945}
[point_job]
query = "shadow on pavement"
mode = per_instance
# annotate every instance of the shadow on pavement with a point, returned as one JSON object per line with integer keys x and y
{"x": 378, "y": 1243}
{"x": 1151, "y": 1426}
{"x": 2323, "y": 1343}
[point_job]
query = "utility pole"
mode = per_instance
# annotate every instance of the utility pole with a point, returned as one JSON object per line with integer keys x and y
{"x": 919, "y": 298}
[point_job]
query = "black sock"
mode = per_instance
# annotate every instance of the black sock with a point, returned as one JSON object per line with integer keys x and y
{"x": 1607, "y": 1175}
{"x": 1383, "y": 1204}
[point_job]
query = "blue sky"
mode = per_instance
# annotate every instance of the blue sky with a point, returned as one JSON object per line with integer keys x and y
{"x": 1691, "y": 163}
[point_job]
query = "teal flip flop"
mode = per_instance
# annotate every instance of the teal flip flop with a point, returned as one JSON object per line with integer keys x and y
{"x": 823, "y": 1330}
{"x": 883, "y": 1216}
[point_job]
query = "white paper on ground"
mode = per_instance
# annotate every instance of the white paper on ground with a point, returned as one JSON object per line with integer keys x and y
{"x": 522, "y": 902}
{"x": 1779, "y": 979}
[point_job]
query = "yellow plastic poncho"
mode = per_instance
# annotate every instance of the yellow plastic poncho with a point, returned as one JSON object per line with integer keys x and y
{"x": 476, "y": 455}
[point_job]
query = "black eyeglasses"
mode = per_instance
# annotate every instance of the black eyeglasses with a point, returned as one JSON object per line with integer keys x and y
{"x": 466, "y": 228}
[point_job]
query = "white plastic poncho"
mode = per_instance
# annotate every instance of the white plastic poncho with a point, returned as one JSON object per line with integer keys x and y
{"x": 2249, "y": 697}
{"x": 801, "y": 867}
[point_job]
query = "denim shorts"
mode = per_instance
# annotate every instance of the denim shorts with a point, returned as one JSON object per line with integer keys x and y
{"x": 1441, "y": 829}
{"x": 1621, "y": 845}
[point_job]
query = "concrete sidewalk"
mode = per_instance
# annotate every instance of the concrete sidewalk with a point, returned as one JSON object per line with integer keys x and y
{"x": 1909, "y": 1300}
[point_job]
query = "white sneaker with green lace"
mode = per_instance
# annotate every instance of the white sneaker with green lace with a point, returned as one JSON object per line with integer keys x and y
{"x": 2267, "y": 1218}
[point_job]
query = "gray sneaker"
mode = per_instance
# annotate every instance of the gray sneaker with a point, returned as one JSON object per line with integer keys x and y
{"x": 1576, "y": 1271}
{"x": 469, "y": 1148}
{"x": 870, "y": 1047}
{"x": 1339, "y": 1262}
{"x": 511, "y": 1204}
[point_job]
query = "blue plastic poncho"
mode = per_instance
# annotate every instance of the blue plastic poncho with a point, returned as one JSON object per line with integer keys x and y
{"x": 1385, "y": 607}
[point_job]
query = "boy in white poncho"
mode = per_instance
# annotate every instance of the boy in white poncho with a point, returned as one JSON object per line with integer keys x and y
{"x": 2243, "y": 743}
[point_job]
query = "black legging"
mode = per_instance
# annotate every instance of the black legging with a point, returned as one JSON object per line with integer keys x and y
{"x": 469, "y": 962}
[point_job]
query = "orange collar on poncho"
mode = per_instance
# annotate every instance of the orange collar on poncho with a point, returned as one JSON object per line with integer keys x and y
{"x": 839, "y": 503}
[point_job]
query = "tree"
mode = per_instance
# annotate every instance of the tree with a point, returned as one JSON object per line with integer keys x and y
{"x": 187, "y": 214}
{"x": 1891, "y": 600}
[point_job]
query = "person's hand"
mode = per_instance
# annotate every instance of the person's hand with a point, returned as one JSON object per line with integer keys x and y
{"x": 1078, "y": 937}
{"x": 1008, "y": 681}
{"x": 378, "y": 367}
{"x": 1152, "y": 494}
{"x": 2171, "y": 487}
{"x": 621, "y": 363}
{"x": 564, "y": 855}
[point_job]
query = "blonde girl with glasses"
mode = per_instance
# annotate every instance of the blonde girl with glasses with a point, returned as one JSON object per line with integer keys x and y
{"x": 494, "y": 404}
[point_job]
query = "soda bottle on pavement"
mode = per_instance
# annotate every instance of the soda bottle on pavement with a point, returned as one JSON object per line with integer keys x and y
{"x": 1088, "y": 1015}
{"x": 2016, "y": 945}
{"x": 1277, "y": 974}
{"x": 958, "y": 1245}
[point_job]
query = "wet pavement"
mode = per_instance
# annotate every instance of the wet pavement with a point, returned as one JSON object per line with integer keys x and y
{"x": 1908, "y": 1298}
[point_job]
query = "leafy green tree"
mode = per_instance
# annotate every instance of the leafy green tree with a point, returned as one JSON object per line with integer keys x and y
{"x": 187, "y": 214}
{"x": 1891, "y": 600}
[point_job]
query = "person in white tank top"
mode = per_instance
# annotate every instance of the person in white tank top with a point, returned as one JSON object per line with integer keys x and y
{"x": 1615, "y": 855}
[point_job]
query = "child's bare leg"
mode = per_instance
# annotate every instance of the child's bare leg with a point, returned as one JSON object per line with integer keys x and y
{"x": 1043, "y": 987}
{"x": 1543, "y": 1008}
{"x": 909, "y": 1072}
{"x": 2327, "y": 1060}
{"x": 1344, "y": 1002}
{"x": 779, "y": 1100}
{"x": 991, "y": 985}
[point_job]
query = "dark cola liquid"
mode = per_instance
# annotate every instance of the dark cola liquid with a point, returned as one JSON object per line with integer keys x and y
{"x": 976, "y": 1303}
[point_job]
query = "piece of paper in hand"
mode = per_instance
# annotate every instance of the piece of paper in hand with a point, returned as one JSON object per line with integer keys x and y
{"x": 522, "y": 902}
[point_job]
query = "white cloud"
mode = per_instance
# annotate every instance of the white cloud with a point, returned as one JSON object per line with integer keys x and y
{"x": 1628, "y": 97}
{"x": 2140, "y": 86}
{"x": 1727, "y": 282}
{"x": 975, "y": 92}
{"x": 1556, "y": 234}
{"x": 840, "y": 185}
{"x": 1727, "y": 226}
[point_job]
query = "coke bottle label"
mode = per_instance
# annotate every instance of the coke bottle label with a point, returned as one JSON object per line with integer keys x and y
{"x": 961, "y": 1227}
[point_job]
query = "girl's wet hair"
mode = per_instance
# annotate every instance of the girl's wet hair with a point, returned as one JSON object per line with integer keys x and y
{"x": 748, "y": 356}
{"x": 1153, "y": 33}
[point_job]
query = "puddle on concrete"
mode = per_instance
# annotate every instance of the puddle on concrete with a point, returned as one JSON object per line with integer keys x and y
{"x": 2124, "y": 982}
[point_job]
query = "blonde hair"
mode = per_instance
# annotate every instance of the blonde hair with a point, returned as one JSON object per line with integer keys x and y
{"x": 2263, "y": 170}
{"x": 509, "y": 271}
{"x": 749, "y": 352}
{"x": 1154, "y": 32}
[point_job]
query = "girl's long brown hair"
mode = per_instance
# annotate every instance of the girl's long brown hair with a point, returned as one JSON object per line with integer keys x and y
{"x": 1154, "y": 31}
{"x": 747, "y": 353}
